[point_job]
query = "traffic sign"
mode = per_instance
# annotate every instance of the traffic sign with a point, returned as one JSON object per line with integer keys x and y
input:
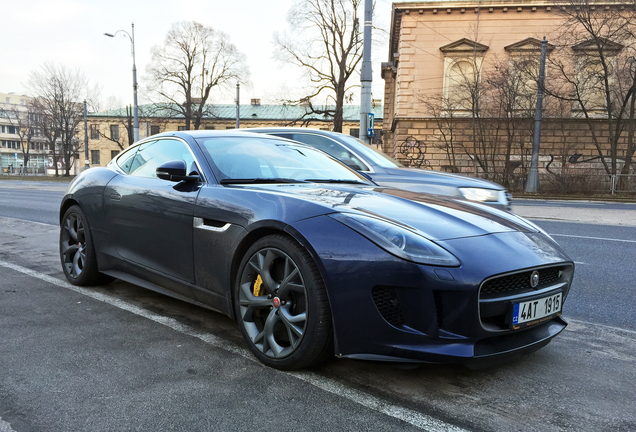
{"x": 370, "y": 125}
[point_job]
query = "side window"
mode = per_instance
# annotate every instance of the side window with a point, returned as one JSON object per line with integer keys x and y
{"x": 125, "y": 160}
{"x": 151, "y": 155}
{"x": 330, "y": 147}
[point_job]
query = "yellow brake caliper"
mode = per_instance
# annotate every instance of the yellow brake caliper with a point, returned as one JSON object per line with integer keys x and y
{"x": 258, "y": 289}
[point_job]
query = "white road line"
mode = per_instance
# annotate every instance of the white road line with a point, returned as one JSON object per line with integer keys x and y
{"x": 601, "y": 325}
{"x": 374, "y": 403}
{"x": 594, "y": 238}
{"x": 5, "y": 427}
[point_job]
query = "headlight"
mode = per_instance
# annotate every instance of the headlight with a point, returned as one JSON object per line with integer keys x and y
{"x": 398, "y": 240}
{"x": 480, "y": 194}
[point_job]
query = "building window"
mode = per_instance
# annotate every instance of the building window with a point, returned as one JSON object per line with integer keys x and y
{"x": 114, "y": 132}
{"x": 8, "y": 129}
{"x": 462, "y": 66}
{"x": 94, "y": 132}
{"x": 461, "y": 85}
{"x": 154, "y": 130}
{"x": 113, "y": 154}
{"x": 38, "y": 146}
{"x": 208, "y": 127}
{"x": 11, "y": 144}
{"x": 181, "y": 128}
{"x": 94, "y": 157}
{"x": 590, "y": 82}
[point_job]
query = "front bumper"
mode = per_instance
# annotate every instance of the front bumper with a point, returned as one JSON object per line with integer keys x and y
{"x": 385, "y": 308}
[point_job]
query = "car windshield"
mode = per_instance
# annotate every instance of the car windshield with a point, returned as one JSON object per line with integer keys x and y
{"x": 375, "y": 156}
{"x": 269, "y": 160}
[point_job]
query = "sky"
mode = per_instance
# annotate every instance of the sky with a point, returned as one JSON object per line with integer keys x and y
{"x": 71, "y": 33}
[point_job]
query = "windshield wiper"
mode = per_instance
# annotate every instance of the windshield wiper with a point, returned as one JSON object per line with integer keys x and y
{"x": 260, "y": 180}
{"x": 338, "y": 181}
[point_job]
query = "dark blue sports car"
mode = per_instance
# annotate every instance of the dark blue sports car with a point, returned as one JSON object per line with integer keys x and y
{"x": 310, "y": 257}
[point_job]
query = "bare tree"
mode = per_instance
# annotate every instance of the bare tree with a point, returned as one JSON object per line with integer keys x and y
{"x": 326, "y": 41}
{"x": 496, "y": 103}
{"x": 594, "y": 70}
{"x": 58, "y": 94}
{"x": 193, "y": 61}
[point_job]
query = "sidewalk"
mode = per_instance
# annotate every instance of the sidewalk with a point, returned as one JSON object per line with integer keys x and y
{"x": 578, "y": 214}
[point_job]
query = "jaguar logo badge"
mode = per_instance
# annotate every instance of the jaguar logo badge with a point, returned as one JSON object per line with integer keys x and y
{"x": 534, "y": 279}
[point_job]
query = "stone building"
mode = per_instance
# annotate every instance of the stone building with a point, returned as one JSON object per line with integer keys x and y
{"x": 442, "y": 54}
{"x": 108, "y": 131}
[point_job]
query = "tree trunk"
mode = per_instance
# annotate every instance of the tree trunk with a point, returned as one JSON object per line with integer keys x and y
{"x": 337, "y": 116}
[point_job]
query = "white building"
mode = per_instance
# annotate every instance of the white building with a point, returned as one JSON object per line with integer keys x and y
{"x": 13, "y": 143}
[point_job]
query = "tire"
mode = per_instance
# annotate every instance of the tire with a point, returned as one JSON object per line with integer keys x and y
{"x": 281, "y": 305}
{"x": 77, "y": 250}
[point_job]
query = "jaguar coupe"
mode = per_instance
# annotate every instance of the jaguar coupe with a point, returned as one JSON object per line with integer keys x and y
{"x": 310, "y": 257}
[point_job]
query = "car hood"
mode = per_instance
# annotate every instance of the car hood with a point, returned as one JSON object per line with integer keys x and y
{"x": 435, "y": 217}
{"x": 437, "y": 177}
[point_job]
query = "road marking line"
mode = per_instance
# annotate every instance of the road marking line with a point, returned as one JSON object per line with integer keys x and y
{"x": 602, "y": 325}
{"x": 374, "y": 403}
{"x": 5, "y": 427}
{"x": 594, "y": 238}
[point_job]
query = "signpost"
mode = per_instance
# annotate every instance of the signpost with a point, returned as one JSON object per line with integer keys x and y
{"x": 370, "y": 124}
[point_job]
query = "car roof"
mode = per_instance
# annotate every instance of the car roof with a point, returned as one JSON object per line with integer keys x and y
{"x": 295, "y": 129}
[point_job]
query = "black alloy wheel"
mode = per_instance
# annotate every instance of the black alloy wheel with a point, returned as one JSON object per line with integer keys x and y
{"x": 77, "y": 251}
{"x": 281, "y": 305}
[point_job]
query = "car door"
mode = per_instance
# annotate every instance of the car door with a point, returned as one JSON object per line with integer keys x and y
{"x": 151, "y": 220}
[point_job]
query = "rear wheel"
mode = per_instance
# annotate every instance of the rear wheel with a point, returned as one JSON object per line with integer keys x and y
{"x": 282, "y": 306}
{"x": 77, "y": 250}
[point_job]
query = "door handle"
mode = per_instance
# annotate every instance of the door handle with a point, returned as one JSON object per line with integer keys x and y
{"x": 115, "y": 196}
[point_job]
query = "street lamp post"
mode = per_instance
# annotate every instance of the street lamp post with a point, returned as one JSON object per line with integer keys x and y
{"x": 86, "y": 160}
{"x": 136, "y": 108}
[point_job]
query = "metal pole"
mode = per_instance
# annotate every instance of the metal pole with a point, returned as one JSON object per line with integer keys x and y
{"x": 136, "y": 109}
{"x": 86, "y": 161}
{"x": 366, "y": 77}
{"x": 238, "y": 107}
{"x": 532, "y": 183}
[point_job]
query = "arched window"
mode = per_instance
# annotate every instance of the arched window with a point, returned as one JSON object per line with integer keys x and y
{"x": 462, "y": 75}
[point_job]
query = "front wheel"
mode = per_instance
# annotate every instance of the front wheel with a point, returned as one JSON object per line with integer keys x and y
{"x": 77, "y": 250}
{"x": 281, "y": 305}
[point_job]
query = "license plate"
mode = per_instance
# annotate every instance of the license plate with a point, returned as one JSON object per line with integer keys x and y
{"x": 536, "y": 311}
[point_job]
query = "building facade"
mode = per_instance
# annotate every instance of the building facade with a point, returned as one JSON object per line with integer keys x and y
{"x": 452, "y": 68}
{"x": 108, "y": 132}
{"x": 19, "y": 138}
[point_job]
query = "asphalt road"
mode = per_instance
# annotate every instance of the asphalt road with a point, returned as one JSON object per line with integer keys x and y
{"x": 603, "y": 290}
{"x": 119, "y": 357}
{"x": 33, "y": 201}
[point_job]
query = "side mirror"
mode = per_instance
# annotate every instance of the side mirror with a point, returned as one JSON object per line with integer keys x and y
{"x": 175, "y": 171}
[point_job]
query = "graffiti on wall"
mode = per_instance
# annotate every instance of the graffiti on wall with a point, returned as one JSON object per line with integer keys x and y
{"x": 414, "y": 151}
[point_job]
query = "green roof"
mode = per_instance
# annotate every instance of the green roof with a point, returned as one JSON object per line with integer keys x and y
{"x": 247, "y": 112}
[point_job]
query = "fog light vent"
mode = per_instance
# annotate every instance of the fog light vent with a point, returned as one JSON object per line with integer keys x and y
{"x": 388, "y": 304}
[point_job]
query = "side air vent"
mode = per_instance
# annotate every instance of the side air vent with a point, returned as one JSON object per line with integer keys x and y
{"x": 388, "y": 304}
{"x": 210, "y": 224}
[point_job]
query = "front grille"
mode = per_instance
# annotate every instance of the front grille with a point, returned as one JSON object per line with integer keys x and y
{"x": 521, "y": 281}
{"x": 388, "y": 304}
